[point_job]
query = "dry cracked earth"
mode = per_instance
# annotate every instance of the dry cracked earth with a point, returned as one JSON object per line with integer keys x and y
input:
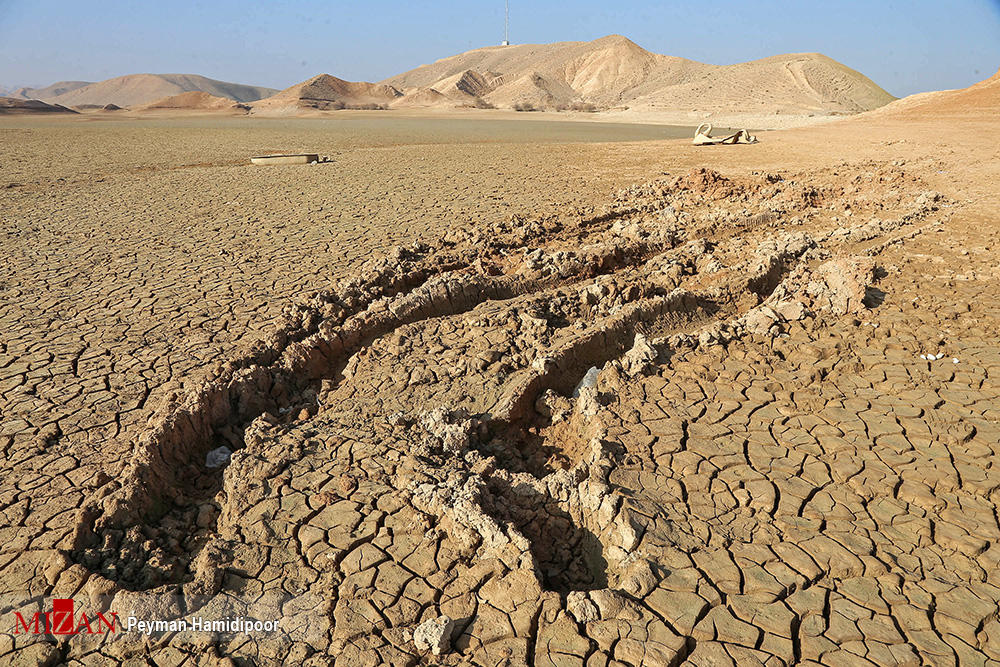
{"x": 727, "y": 417}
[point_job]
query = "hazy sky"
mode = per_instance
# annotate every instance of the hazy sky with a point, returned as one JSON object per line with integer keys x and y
{"x": 906, "y": 46}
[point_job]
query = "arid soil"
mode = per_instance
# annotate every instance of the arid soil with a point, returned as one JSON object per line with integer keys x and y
{"x": 502, "y": 403}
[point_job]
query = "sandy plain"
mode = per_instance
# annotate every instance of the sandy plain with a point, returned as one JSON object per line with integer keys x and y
{"x": 769, "y": 474}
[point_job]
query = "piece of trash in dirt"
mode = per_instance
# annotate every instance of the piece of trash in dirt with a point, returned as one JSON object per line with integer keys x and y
{"x": 589, "y": 380}
{"x": 703, "y": 137}
{"x": 218, "y": 457}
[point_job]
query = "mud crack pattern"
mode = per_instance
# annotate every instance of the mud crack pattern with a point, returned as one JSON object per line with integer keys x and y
{"x": 694, "y": 428}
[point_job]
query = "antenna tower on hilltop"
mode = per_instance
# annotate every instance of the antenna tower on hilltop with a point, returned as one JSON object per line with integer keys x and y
{"x": 506, "y": 23}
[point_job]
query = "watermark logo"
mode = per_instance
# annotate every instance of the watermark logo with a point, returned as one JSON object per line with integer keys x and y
{"x": 140, "y": 616}
{"x": 63, "y": 621}
{"x": 199, "y": 624}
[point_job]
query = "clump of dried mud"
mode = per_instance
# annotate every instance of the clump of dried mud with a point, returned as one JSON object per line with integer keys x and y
{"x": 489, "y": 449}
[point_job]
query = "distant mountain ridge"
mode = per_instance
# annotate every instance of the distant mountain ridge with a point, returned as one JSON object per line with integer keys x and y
{"x": 48, "y": 92}
{"x": 138, "y": 89}
{"x": 611, "y": 73}
{"x": 614, "y": 72}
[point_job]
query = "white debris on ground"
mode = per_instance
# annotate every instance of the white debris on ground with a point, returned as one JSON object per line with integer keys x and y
{"x": 218, "y": 457}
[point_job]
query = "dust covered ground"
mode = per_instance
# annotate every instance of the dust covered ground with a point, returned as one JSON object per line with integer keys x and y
{"x": 501, "y": 402}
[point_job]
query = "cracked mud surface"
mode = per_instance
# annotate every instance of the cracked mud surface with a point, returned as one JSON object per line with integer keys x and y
{"x": 765, "y": 470}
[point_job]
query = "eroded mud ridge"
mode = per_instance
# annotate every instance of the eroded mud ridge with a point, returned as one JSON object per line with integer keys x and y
{"x": 636, "y": 436}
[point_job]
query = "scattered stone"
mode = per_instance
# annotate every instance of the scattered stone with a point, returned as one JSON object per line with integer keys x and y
{"x": 581, "y": 607}
{"x": 434, "y": 635}
{"x": 449, "y": 430}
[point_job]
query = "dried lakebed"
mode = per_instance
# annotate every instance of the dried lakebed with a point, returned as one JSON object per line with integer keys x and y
{"x": 693, "y": 426}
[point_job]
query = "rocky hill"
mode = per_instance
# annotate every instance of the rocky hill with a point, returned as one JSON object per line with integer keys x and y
{"x": 615, "y": 73}
{"x": 325, "y": 92}
{"x": 10, "y": 105}
{"x": 137, "y": 89}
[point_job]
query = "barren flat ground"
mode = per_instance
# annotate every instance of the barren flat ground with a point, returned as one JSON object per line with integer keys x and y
{"x": 149, "y": 247}
{"x": 502, "y": 392}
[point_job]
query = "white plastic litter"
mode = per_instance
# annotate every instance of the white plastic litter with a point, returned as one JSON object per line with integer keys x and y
{"x": 218, "y": 457}
{"x": 589, "y": 380}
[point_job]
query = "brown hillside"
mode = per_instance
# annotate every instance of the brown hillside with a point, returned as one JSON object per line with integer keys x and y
{"x": 47, "y": 93}
{"x": 137, "y": 89}
{"x": 467, "y": 85}
{"x": 193, "y": 101}
{"x": 614, "y": 72}
{"x": 9, "y": 105}
{"x": 329, "y": 92}
{"x": 422, "y": 98}
{"x": 981, "y": 99}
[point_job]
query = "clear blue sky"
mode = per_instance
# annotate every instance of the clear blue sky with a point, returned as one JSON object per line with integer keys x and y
{"x": 905, "y": 46}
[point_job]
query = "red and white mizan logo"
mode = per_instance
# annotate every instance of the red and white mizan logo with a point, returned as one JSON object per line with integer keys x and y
{"x": 62, "y": 621}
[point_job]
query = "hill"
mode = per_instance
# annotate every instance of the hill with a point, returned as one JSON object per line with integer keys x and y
{"x": 325, "y": 92}
{"x": 192, "y": 101}
{"x": 10, "y": 105}
{"x": 48, "y": 92}
{"x": 422, "y": 98}
{"x": 137, "y": 89}
{"x": 614, "y": 72}
{"x": 981, "y": 99}
{"x": 97, "y": 107}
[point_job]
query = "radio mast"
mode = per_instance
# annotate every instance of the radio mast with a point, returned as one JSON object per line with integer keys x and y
{"x": 506, "y": 23}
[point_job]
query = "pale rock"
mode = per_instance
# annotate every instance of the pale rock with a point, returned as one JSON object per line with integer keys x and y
{"x": 628, "y": 534}
{"x": 759, "y": 321}
{"x": 640, "y": 579}
{"x": 587, "y": 403}
{"x": 640, "y": 357}
{"x": 581, "y": 607}
{"x": 791, "y": 311}
{"x": 613, "y": 605}
{"x": 434, "y": 635}
{"x": 451, "y": 430}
